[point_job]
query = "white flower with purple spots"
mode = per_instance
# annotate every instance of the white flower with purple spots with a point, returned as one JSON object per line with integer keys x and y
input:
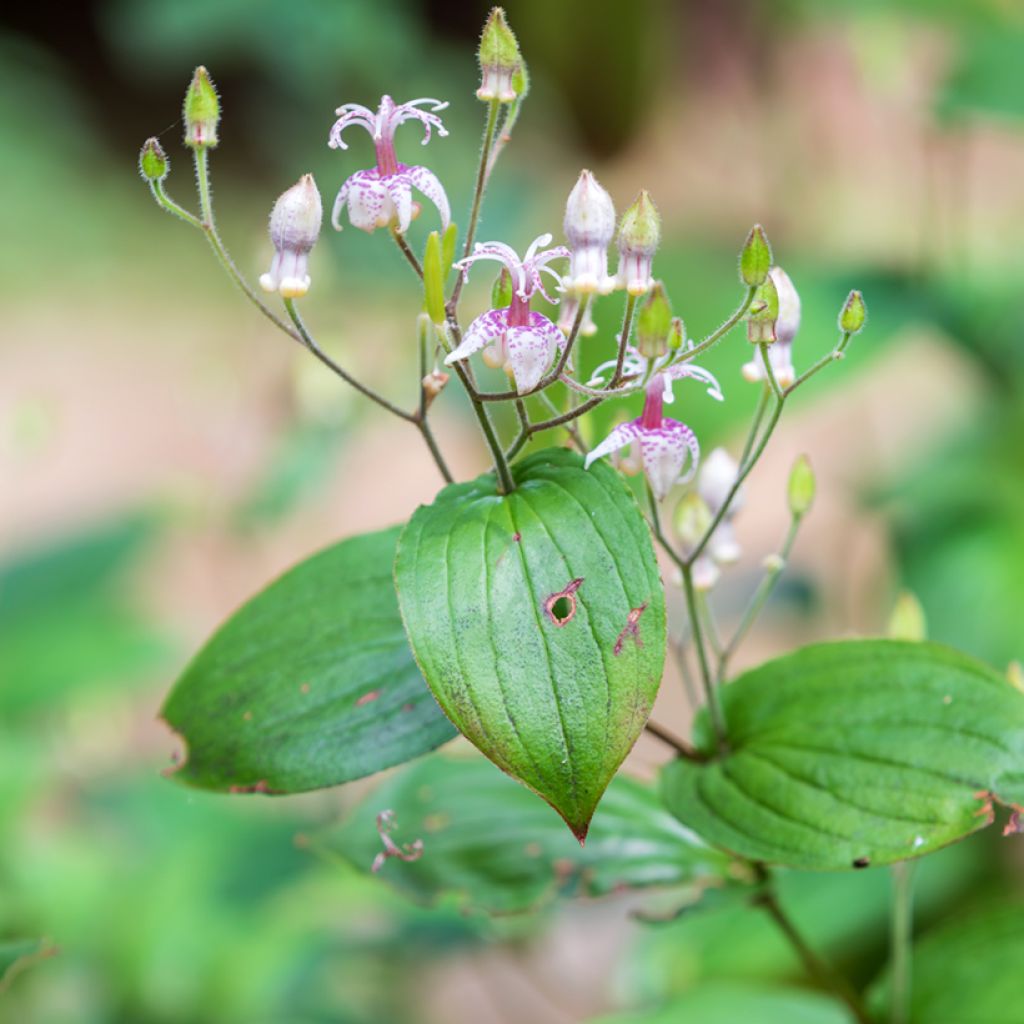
{"x": 665, "y": 444}
{"x": 383, "y": 195}
{"x": 521, "y": 342}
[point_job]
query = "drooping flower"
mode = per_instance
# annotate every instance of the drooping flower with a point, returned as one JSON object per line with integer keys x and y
{"x": 589, "y": 227}
{"x": 665, "y": 444}
{"x": 780, "y": 351}
{"x": 514, "y": 338}
{"x": 294, "y": 229}
{"x": 715, "y": 481}
{"x": 383, "y": 194}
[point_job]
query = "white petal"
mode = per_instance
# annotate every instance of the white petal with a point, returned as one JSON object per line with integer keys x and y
{"x": 623, "y": 435}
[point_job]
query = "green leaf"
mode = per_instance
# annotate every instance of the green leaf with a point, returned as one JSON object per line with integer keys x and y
{"x": 19, "y": 954}
{"x": 967, "y": 972}
{"x": 309, "y": 684}
{"x": 732, "y": 1002}
{"x": 855, "y": 753}
{"x": 538, "y": 619}
{"x": 496, "y": 848}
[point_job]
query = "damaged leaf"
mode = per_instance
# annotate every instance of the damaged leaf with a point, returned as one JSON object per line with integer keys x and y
{"x": 496, "y": 848}
{"x": 855, "y": 754}
{"x": 538, "y": 619}
{"x": 309, "y": 684}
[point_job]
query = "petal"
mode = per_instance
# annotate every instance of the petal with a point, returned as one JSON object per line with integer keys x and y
{"x": 530, "y": 350}
{"x": 339, "y": 205}
{"x": 368, "y": 200}
{"x": 624, "y": 434}
{"x": 399, "y": 189}
{"x": 484, "y": 329}
{"x": 681, "y": 370}
{"x": 664, "y": 451}
{"x": 427, "y": 182}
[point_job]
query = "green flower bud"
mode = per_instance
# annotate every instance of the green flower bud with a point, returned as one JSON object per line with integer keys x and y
{"x": 500, "y": 61}
{"x": 448, "y": 240}
{"x": 202, "y": 111}
{"x": 433, "y": 279}
{"x": 802, "y": 486}
{"x": 501, "y": 290}
{"x": 153, "y": 162}
{"x": 907, "y": 621}
{"x": 763, "y": 313}
{"x": 756, "y": 258}
{"x": 676, "y": 334}
{"x": 853, "y": 314}
{"x": 653, "y": 323}
{"x": 638, "y": 239}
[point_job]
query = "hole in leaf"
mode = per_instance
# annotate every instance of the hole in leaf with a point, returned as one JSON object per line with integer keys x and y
{"x": 561, "y": 605}
{"x": 562, "y": 609}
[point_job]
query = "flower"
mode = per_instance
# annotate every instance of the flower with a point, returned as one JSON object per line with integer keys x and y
{"x": 665, "y": 444}
{"x": 589, "y": 226}
{"x": 520, "y": 341}
{"x": 780, "y": 351}
{"x": 294, "y": 229}
{"x": 382, "y": 195}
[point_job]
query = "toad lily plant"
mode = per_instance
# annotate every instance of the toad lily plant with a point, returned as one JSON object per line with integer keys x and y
{"x": 525, "y": 609}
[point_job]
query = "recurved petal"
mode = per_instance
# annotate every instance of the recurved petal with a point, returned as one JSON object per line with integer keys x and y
{"x": 399, "y": 190}
{"x": 429, "y": 184}
{"x": 530, "y": 350}
{"x": 484, "y": 329}
{"x": 664, "y": 451}
{"x": 624, "y": 434}
{"x": 368, "y": 200}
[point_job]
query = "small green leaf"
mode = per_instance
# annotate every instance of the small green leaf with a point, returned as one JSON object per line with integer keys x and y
{"x": 309, "y": 684}
{"x": 730, "y": 1002}
{"x": 855, "y": 753}
{"x": 496, "y": 848}
{"x": 538, "y": 620}
{"x": 967, "y": 972}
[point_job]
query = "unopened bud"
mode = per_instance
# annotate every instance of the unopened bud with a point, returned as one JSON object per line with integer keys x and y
{"x": 294, "y": 229}
{"x": 853, "y": 314}
{"x": 433, "y": 384}
{"x": 653, "y": 323}
{"x": 448, "y": 240}
{"x": 907, "y": 621}
{"x": 202, "y": 111}
{"x": 153, "y": 162}
{"x": 500, "y": 60}
{"x": 433, "y": 279}
{"x": 763, "y": 312}
{"x": 639, "y": 235}
{"x": 589, "y": 227}
{"x": 676, "y": 334}
{"x": 756, "y": 258}
{"x": 691, "y": 519}
{"x": 501, "y": 290}
{"x": 802, "y": 486}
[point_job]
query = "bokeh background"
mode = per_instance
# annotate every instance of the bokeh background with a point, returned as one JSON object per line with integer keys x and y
{"x": 163, "y": 452}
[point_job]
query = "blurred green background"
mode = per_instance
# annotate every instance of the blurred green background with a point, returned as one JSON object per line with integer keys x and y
{"x": 164, "y": 453}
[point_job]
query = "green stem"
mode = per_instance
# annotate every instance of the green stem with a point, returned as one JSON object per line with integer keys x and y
{"x": 627, "y": 330}
{"x": 478, "y": 196}
{"x": 901, "y": 937}
{"x": 164, "y": 200}
{"x": 719, "y": 333}
{"x": 403, "y": 247}
{"x": 762, "y": 405}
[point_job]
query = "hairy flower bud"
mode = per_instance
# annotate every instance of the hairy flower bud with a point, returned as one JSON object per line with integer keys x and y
{"x": 202, "y": 111}
{"x": 501, "y": 63}
{"x": 800, "y": 491}
{"x": 639, "y": 235}
{"x": 294, "y": 229}
{"x": 756, "y": 258}
{"x": 676, "y": 334}
{"x": 774, "y": 317}
{"x": 153, "y": 162}
{"x": 763, "y": 313}
{"x": 853, "y": 314}
{"x": 653, "y": 323}
{"x": 589, "y": 227}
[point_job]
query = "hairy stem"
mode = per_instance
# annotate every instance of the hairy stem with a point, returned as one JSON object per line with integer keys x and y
{"x": 627, "y": 330}
{"x": 902, "y": 926}
{"x": 403, "y": 247}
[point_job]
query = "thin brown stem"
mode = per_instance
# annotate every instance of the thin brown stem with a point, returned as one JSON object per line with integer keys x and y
{"x": 680, "y": 746}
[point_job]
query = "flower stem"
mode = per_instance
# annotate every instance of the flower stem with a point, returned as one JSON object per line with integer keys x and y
{"x": 403, "y": 247}
{"x": 900, "y": 938}
{"x": 164, "y": 200}
{"x": 755, "y": 426}
{"x": 627, "y": 330}
{"x": 718, "y": 333}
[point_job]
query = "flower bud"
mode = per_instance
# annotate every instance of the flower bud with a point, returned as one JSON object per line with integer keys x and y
{"x": 589, "y": 227}
{"x": 448, "y": 240}
{"x": 907, "y": 621}
{"x": 756, "y": 258}
{"x": 676, "y": 334}
{"x": 500, "y": 61}
{"x": 639, "y": 235}
{"x": 763, "y": 313}
{"x": 294, "y": 229}
{"x": 853, "y": 314}
{"x": 433, "y": 384}
{"x": 501, "y": 290}
{"x": 653, "y": 323}
{"x": 788, "y": 322}
{"x": 202, "y": 111}
{"x": 433, "y": 279}
{"x": 153, "y": 162}
{"x": 801, "y": 488}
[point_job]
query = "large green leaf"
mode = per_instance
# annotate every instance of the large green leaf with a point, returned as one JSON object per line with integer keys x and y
{"x": 855, "y": 753}
{"x": 736, "y": 1002}
{"x": 495, "y": 847}
{"x": 538, "y": 619}
{"x": 310, "y": 683}
{"x": 967, "y": 972}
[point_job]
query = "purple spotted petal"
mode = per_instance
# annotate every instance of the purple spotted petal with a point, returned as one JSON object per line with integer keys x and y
{"x": 530, "y": 350}
{"x": 427, "y": 182}
{"x": 624, "y": 434}
{"x": 664, "y": 451}
{"x": 368, "y": 201}
{"x": 681, "y": 370}
{"x": 484, "y": 329}
{"x": 399, "y": 189}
